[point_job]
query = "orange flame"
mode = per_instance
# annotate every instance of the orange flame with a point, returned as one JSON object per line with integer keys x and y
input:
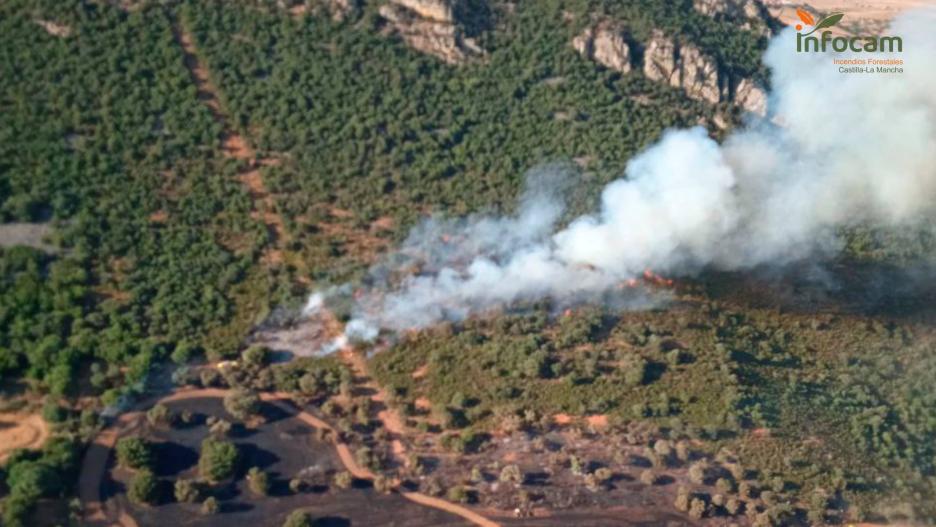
{"x": 656, "y": 279}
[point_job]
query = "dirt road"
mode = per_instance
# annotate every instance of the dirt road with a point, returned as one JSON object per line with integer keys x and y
{"x": 94, "y": 465}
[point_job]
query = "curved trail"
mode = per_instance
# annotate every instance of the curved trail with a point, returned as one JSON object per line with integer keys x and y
{"x": 94, "y": 465}
{"x": 93, "y": 470}
{"x": 394, "y": 424}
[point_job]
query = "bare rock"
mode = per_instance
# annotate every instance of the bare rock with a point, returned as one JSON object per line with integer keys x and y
{"x": 660, "y": 59}
{"x": 438, "y": 10}
{"x": 605, "y": 45}
{"x": 751, "y": 97}
{"x": 666, "y": 60}
{"x": 430, "y": 26}
{"x": 682, "y": 66}
{"x": 698, "y": 75}
{"x": 55, "y": 29}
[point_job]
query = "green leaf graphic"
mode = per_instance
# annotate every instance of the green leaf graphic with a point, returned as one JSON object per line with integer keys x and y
{"x": 829, "y": 21}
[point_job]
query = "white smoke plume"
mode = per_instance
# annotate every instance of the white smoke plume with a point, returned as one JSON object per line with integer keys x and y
{"x": 849, "y": 148}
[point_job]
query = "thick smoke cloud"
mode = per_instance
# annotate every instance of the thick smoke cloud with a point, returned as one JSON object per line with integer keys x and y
{"x": 838, "y": 149}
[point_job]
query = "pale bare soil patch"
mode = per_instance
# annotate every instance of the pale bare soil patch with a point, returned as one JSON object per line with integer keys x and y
{"x": 55, "y": 29}
{"x": 594, "y": 421}
{"x": 21, "y": 430}
{"x": 29, "y": 234}
{"x": 160, "y": 216}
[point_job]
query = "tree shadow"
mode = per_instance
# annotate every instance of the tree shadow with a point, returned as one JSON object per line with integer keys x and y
{"x": 253, "y": 456}
{"x": 173, "y": 458}
{"x": 235, "y": 507}
{"x": 272, "y": 413}
{"x": 536, "y": 479}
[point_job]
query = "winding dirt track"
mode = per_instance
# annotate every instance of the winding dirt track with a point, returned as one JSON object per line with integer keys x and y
{"x": 392, "y": 421}
{"x": 94, "y": 465}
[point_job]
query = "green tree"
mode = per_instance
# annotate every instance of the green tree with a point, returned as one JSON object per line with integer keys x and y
{"x": 343, "y": 479}
{"x": 648, "y": 477}
{"x": 134, "y": 453}
{"x": 259, "y": 481}
{"x": 31, "y": 480}
{"x": 142, "y": 489}
{"x": 383, "y": 484}
{"x": 242, "y": 404}
{"x": 210, "y": 506}
{"x": 158, "y": 415}
{"x": 682, "y": 499}
{"x": 697, "y": 509}
{"x": 256, "y": 357}
{"x": 511, "y": 474}
{"x": 458, "y": 494}
{"x": 218, "y": 459}
{"x": 186, "y": 491}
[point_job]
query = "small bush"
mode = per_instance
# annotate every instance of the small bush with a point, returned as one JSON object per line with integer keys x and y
{"x": 458, "y": 494}
{"x": 258, "y": 481}
{"x": 210, "y": 506}
{"x": 186, "y": 491}
{"x": 298, "y": 519}
{"x": 343, "y": 480}
{"x": 142, "y": 488}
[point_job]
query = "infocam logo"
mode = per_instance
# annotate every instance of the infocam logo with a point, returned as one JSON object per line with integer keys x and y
{"x": 806, "y": 43}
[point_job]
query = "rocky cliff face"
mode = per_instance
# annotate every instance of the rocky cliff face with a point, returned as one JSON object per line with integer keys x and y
{"x": 682, "y": 66}
{"x": 430, "y": 26}
{"x": 605, "y": 45}
{"x": 438, "y": 10}
{"x": 665, "y": 60}
{"x": 751, "y": 97}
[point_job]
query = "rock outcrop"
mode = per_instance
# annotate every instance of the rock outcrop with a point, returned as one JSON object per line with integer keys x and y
{"x": 668, "y": 61}
{"x": 605, "y": 45}
{"x": 430, "y": 26}
{"x": 438, "y": 10}
{"x": 682, "y": 66}
{"x": 751, "y": 97}
{"x": 55, "y": 29}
